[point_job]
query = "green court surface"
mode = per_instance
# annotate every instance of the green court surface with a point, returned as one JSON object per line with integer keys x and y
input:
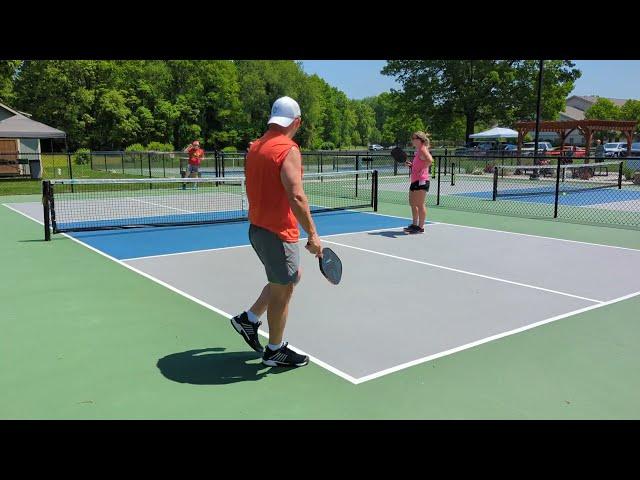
{"x": 82, "y": 337}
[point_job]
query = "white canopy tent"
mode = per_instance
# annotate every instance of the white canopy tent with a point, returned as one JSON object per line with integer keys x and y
{"x": 495, "y": 134}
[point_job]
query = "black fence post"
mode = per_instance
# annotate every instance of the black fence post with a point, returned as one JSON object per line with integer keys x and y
{"x": 105, "y": 163}
{"x": 495, "y": 183}
{"x": 46, "y": 189}
{"x": 70, "y": 168}
{"x": 620, "y": 176}
{"x": 374, "y": 193}
{"x": 149, "y": 162}
{"x": 164, "y": 166}
{"x": 453, "y": 177}
{"x": 555, "y": 203}
{"x": 91, "y": 159}
{"x": 439, "y": 170}
{"x": 122, "y": 161}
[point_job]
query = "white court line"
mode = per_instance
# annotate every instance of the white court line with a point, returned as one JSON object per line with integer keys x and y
{"x": 412, "y": 363}
{"x": 247, "y": 245}
{"x": 313, "y": 359}
{"x": 160, "y": 205}
{"x": 466, "y": 272}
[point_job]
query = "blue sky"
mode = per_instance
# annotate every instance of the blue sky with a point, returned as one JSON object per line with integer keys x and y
{"x": 362, "y": 78}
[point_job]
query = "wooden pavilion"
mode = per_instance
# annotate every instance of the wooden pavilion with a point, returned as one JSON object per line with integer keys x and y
{"x": 585, "y": 127}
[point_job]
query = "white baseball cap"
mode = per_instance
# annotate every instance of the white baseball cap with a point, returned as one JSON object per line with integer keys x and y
{"x": 284, "y": 111}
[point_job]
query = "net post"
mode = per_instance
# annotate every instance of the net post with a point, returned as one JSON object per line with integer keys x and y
{"x": 620, "y": 176}
{"x": 46, "y": 189}
{"x": 555, "y": 204}
{"x": 453, "y": 169}
{"x": 495, "y": 183}
{"x": 374, "y": 193}
{"x": 439, "y": 171}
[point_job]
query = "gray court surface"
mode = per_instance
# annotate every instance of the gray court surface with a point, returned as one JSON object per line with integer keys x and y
{"x": 405, "y": 299}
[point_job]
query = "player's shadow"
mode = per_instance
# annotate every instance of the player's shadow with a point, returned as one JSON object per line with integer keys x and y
{"x": 214, "y": 366}
{"x": 389, "y": 233}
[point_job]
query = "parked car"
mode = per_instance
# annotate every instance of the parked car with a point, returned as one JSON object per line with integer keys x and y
{"x": 529, "y": 147}
{"x": 577, "y": 152}
{"x": 614, "y": 149}
{"x": 375, "y": 147}
{"x": 635, "y": 151}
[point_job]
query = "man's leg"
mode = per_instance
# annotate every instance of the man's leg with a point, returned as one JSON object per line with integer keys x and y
{"x": 279, "y": 296}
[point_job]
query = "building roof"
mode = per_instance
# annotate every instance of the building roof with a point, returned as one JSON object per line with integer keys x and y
{"x": 594, "y": 98}
{"x": 20, "y": 126}
{"x": 573, "y": 113}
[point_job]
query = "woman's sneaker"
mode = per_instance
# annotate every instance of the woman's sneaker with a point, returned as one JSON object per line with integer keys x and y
{"x": 248, "y": 330}
{"x": 410, "y": 228}
{"x": 283, "y": 357}
{"x": 415, "y": 230}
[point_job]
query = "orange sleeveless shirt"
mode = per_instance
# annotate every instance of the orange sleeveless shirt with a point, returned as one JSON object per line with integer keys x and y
{"x": 268, "y": 203}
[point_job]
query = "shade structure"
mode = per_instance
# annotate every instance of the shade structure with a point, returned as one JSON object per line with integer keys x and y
{"x": 495, "y": 133}
{"x": 19, "y": 126}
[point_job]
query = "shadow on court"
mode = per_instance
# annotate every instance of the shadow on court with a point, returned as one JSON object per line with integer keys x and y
{"x": 214, "y": 366}
{"x": 389, "y": 233}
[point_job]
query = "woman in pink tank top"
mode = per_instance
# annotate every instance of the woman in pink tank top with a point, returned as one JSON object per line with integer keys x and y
{"x": 420, "y": 179}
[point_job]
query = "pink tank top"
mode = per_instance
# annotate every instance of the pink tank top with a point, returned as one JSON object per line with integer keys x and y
{"x": 419, "y": 169}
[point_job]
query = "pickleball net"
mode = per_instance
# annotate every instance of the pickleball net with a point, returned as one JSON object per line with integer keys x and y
{"x": 75, "y": 205}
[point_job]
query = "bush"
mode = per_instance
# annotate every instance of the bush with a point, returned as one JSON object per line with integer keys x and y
{"x": 230, "y": 149}
{"x": 160, "y": 147}
{"x": 477, "y": 171}
{"x": 627, "y": 172}
{"x": 82, "y": 156}
{"x": 327, "y": 146}
{"x": 136, "y": 147}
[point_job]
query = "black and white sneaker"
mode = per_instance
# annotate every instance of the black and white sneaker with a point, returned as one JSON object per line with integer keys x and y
{"x": 248, "y": 330}
{"x": 409, "y": 228}
{"x": 283, "y": 357}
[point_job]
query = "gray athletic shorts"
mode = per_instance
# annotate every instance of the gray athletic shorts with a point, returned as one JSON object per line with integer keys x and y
{"x": 193, "y": 168}
{"x": 281, "y": 260}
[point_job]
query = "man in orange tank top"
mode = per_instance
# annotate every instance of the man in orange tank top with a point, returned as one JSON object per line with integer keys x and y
{"x": 277, "y": 203}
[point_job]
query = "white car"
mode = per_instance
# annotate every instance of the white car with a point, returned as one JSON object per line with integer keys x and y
{"x": 528, "y": 147}
{"x": 376, "y": 147}
{"x": 613, "y": 149}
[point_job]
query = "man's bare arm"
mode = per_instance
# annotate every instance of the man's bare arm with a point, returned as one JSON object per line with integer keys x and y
{"x": 291, "y": 177}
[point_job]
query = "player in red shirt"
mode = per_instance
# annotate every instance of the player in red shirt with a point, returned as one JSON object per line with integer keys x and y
{"x": 196, "y": 155}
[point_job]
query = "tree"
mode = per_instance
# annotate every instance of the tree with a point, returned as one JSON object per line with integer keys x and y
{"x": 603, "y": 109}
{"x": 8, "y": 72}
{"x": 631, "y": 111}
{"x": 440, "y": 91}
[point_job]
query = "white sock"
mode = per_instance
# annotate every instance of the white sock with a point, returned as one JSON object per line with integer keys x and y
{"x": 274, "y": 347}
{"x": 253, "y": 318}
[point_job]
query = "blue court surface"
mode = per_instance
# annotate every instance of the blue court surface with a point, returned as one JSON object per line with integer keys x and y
{"x": 144, "y": 242}
{"x": 578, "y": 199}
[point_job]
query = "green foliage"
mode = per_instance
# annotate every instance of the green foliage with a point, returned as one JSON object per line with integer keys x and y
{"x": 160, "y": 147}
{"x": 109, "y": 104}
{"x": 136, "y": 147}
{"x": 441, "y": 92}
{"x": 82, "y": 156}
{"x": 327, "y": 146}
{"x": 230, "y": 149}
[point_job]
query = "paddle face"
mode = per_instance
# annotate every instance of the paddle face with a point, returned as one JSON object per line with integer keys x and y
{"x": 399, "y": 155}
{"x": 331, "y": 266}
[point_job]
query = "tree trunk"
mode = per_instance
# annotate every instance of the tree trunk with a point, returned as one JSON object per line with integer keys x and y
{"x": 471, "y": 123}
